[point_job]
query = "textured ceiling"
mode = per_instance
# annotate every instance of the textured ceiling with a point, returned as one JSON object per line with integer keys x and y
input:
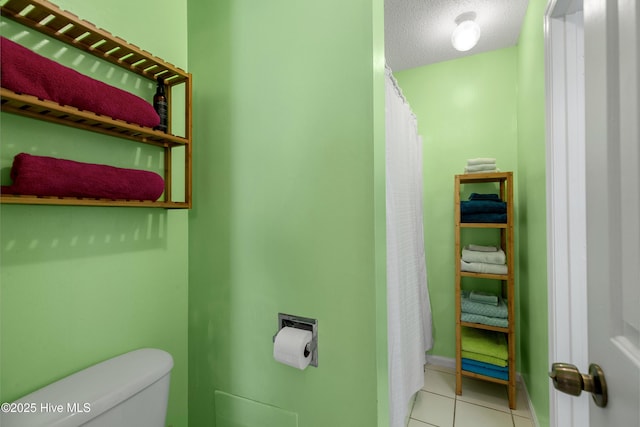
{"x": 418, "y": 32}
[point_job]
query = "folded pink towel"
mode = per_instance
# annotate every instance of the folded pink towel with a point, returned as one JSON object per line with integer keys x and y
{"x": 24, "y": 71}
{"x": 48, "y": 176}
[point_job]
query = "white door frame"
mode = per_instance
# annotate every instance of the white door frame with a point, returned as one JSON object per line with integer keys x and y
{"x": 566, "y": 210}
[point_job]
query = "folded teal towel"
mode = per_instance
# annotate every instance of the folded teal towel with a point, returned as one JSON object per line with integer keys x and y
{"x": 483, "y": 206}
{"x": 496, "y": 218}
{"x": 485, "y": 320}
{"x": 484, "y": 196}
{"x": 483, "y": 297}
{"x": 488, "y": 343}
{"x": 469, "y": 305}
{"x": 487, "y": 369}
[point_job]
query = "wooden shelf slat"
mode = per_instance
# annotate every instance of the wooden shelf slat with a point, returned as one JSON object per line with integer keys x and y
{"x": 484, "y": 275}
{"x": 84, "y": 201}
{"x": 483, "y": 177}
{"x": 31, "y": 106}
{"x": 483, "y": 225}
{"x": 485, "y": 327}
{"x": 42, "y": 9}
{"x": 484, "y": 377}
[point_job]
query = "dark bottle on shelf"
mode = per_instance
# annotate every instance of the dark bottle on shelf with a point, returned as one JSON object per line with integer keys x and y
{"x": 160, "y": 105}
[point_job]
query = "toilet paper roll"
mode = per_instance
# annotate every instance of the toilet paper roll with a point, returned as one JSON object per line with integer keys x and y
{"x": 290, "y": 345}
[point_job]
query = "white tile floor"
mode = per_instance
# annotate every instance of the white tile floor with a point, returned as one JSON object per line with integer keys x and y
{"x": 482, "y": 403}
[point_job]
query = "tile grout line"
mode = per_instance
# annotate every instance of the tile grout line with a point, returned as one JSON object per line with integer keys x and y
{"x": 478, "y": 403}
{"x": 455, "y": 406}
{"x": 437, "y": 394}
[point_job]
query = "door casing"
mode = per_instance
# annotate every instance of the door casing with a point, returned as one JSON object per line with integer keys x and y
{"x": 566, "y": 209}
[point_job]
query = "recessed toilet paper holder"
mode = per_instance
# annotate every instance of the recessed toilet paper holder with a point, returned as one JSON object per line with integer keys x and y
{"x": 288, "y": 320}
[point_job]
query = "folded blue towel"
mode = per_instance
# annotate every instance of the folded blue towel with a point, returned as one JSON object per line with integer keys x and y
{"x": 495, "y": 218}
{"x": 487, "y": 369}
{"x": 485, "y": 365}
{"x": 482, "y": 206}
{"x": 480, "y": 196}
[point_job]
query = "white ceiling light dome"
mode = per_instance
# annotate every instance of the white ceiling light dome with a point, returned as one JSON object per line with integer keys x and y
{"x": 466, "y": 34}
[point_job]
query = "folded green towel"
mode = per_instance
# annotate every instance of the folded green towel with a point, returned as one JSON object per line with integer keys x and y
{"x": 484, "y": 358}
{"x": 488, "y": 343}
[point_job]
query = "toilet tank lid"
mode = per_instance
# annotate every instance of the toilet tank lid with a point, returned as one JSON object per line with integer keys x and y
{"x": 100, "y": 387}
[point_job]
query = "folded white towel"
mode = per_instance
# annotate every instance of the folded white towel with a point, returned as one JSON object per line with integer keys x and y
{"x": 497, "y": 257}
{"x": 476, "y": 168}
{"x": 481, "y": 171}
{"x": 481, "y": 248}
{"x": 481, "y": 161}
{"x": 481, "y": 267}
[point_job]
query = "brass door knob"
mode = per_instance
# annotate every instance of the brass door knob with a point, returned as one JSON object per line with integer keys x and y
{"x": 568, "y": 379}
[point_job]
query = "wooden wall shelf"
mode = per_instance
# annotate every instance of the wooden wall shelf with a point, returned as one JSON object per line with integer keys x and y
{"x": 49, "y": 19}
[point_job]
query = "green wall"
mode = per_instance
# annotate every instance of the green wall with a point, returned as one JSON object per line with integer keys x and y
{"x": 284, "y": 217}
{"x": 489, "y": 105}
{"x": 288, "y": 212}
{"x": 79, "y": 285}
{"x": 466, "y": 108}
{"x": 531, "y": 185}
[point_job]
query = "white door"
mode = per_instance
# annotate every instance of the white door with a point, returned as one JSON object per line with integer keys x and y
{"x": 613, "y": 204}
{"x": 594, "y": 156}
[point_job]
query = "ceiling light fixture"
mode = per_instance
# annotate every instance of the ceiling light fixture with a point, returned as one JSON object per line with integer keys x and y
{"x": 467, "y": 32}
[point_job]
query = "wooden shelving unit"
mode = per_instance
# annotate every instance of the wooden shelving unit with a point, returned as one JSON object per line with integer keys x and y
{"x": 505, "y": 182}
{"x": 62, "y": 25}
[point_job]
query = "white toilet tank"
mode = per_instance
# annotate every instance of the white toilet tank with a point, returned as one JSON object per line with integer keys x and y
{"x": 130, "y": 390}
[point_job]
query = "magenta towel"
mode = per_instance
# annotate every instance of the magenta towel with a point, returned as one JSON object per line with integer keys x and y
{"x": 48, "y": 176}
{"x": 24, "y": 71}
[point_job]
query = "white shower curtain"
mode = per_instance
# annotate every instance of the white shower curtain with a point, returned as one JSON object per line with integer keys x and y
{"x": 408, "y": 306}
